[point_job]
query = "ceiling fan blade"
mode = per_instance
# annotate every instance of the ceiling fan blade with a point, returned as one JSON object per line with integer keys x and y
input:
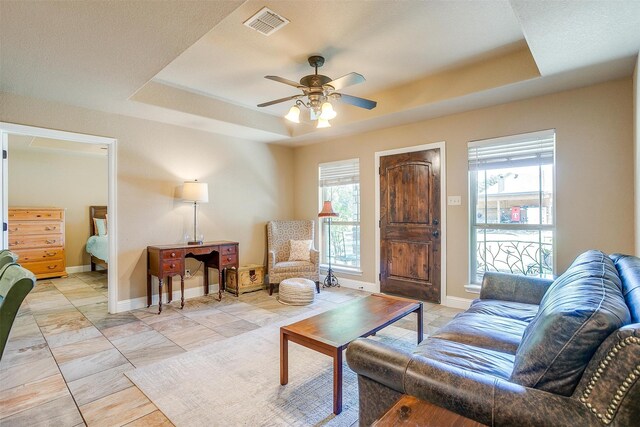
{"x": 283, "y": 80}
{"x": 358, "y": 102}
{"x": 277, "y": 101}
{"x": 346, "y": 80}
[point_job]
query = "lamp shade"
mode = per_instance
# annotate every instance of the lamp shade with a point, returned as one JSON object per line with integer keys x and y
{"x": 327, "y": 210}
{"x": 194, "y": 191}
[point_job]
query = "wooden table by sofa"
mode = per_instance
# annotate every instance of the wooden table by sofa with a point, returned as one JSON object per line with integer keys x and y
{"x": 169, "y": 260}
{"x": 410, "y": 411}
{"x": 331, "y": 332}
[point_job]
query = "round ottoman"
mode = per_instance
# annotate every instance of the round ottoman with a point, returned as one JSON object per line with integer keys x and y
{"x": 297, "y": 291}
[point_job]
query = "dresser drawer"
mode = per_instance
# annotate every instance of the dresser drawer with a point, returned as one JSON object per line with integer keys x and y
{"x": 173, "y": 266}
{"x": 23, "y": 242}
{"x": 34, "y": 214}
{"x": 230, "y": 259}
{"x": 178, "y": 254}
{"x": 35, "y": 227}
{"x": 227, "y": 249}
{"x": 43, "y": 268}
{"x": 30, "y": 255}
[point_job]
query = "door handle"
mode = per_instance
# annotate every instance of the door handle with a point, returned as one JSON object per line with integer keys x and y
{"x": 435, "y": 233}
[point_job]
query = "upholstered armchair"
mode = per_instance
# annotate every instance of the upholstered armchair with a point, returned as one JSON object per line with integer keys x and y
{"x": 279, "y": 235}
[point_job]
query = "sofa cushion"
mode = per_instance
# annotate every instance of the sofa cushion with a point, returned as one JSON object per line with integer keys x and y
{"x": 484, "y": 330}
{"x": 629, "y": 270}
{"x": 580, "y": 309}
{"x": 508, "y": 309}
{"x": 468, "y": 357}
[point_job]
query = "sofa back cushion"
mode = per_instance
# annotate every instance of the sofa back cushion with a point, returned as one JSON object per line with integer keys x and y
{"x": 578, "y": 312}
{"x": 629, "y": 270}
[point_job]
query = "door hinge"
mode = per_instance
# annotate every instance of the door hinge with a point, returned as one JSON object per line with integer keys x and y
{"x": 4, "y": 226}
{"x": 379, "y": 276}
{"x": 379, "y": 223}
{"x": 4, "y": 154}
{"x": 380, "y": 170}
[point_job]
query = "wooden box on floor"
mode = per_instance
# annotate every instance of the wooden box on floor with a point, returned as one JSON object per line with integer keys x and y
{"x": 250, "y": 277}
{"x": 37, "y": 236}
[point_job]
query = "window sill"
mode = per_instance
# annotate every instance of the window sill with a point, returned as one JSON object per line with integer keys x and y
{"x": 473, "y": 288}
{"x": 345, "y": 270}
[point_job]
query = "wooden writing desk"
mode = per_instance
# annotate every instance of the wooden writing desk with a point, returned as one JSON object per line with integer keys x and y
{"x": 169, "y": 260}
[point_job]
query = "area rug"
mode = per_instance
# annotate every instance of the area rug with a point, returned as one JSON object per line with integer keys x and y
{"x": 236, "y": 382}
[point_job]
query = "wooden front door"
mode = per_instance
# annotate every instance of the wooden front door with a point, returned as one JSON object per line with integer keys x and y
{"x": 410, "y": 224}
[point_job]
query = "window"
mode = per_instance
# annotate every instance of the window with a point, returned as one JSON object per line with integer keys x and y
{"x": 340, "y": 183}
{"x": 511, "y": 190}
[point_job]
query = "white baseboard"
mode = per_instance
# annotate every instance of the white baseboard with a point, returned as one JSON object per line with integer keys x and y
{"x": 457, "y": 302}
{"x": 78, "y": 269}
{"x": 353, "y": 284}
{"x": 141, "y": 302}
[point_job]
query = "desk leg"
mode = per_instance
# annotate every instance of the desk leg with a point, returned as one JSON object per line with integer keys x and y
{"x": 148, "y": 290}
{"x": 337, "y": 381}
{"x": 169, "y": 289}
{"x": 220, "y": 283}
{"x": 181, "y": 291}
{"x": 159, "y": 295}
{"x": 420, "y": 324}
{"x": 206, "y": 279}
{"x": 284, "y": 359}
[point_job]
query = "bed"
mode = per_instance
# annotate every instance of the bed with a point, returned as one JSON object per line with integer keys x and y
{"x": 97, "y": 246}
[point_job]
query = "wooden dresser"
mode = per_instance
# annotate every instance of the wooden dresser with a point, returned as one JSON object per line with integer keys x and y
{"x": 37, "y": 236}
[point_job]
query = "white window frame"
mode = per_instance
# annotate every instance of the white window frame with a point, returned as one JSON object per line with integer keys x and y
{"x": 323, "y": 265}
{"x": 474, "y": 285}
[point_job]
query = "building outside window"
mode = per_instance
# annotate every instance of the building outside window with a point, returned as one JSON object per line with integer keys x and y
{"x": 340, "y": 183}
{"x": 512, "y": 219}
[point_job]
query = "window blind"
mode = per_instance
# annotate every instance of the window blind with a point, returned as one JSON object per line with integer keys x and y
{"x": 513, "y": 151}
{"x": 340, "y": 173}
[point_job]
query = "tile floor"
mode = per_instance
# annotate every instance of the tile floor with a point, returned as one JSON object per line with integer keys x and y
{"x": 65, "y": 361}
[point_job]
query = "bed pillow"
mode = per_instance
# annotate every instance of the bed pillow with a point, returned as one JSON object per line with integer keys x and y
{"x": 299, "y": 250}
{"x": 100, "y": 226}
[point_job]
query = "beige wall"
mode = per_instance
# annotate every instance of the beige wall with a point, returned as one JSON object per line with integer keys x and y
{"x": 594, "y": 170}
{"x": 66, "y": 180}
{"x": 250, "y": 183}
{"x": 636, "y": 149}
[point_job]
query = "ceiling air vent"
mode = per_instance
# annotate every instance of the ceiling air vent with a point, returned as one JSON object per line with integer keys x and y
{"x": 266, "y": 21}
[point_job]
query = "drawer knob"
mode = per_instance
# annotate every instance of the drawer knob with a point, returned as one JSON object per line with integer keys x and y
{"x": 173, "y": 254}
{"x": 172, "y": 266}
{"x": 50, "y": 242}
{"x": 228, "y": 258}
{"x": 50, "y": 228}
{"x": 14, "y": 229}
{"x": 50, "y": 253}
{"x": 52, "y": 267}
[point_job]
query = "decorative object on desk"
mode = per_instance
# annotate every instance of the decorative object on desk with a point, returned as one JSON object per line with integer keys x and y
{"x": 194, "y": 191}
{"x": 327, "y": 212}
{"x": 247, "y": 278}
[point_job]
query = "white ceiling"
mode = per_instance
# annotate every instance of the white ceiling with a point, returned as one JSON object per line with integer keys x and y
{"x": 194, "y": 64}
{"x": 31, "y": 143}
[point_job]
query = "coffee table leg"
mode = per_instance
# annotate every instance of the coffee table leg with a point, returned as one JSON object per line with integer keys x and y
{"x": 420, "y": 324}
{"x": 284, "y": 359}
{"x": 337, "y": 381}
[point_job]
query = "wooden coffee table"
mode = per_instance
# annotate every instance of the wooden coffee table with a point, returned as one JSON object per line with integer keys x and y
{"x": 331, "y": 332}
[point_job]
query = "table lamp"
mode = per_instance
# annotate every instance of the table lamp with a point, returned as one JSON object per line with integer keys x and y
{"x": 327, "y": 212}
{"x": 194, "y": 191}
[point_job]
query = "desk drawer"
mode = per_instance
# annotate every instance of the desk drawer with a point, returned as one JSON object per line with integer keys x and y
{"x": 230, "y": 259}
{"x": 20, "y": 242}
{"x": 31, "y": 255}
{"x": 34, "y": 214}
{"x": 227, "y": 249}
{"x": 172, "y": 266}
{"x": 173, "y": 254}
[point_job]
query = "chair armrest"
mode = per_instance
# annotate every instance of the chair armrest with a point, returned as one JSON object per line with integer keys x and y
{"x": 511, "y": 287}
{"x": 484, "y": 398}
{"x": 314, "y": 255}
{"x": 271, "y": 260}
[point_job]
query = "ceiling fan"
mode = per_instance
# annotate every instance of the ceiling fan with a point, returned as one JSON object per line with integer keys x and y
{"x": 319, "y": 90}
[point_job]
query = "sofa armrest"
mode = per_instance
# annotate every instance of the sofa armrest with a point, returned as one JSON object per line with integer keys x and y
{"x": 512, "y": 287}
{"x": 484, "y": 398}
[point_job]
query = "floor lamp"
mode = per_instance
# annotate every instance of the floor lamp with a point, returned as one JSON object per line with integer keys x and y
{"x": 195, "y": 192}
{"x": 327, "y": 212}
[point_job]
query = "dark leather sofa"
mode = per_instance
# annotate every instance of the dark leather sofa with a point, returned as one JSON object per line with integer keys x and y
{"x": 528, "y": 352}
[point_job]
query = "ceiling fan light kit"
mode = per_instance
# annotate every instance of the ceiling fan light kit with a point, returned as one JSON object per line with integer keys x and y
{"x": 318, "y": 91}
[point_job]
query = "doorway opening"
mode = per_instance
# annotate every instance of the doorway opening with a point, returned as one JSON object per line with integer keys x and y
{"x": 47, "y": 156}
